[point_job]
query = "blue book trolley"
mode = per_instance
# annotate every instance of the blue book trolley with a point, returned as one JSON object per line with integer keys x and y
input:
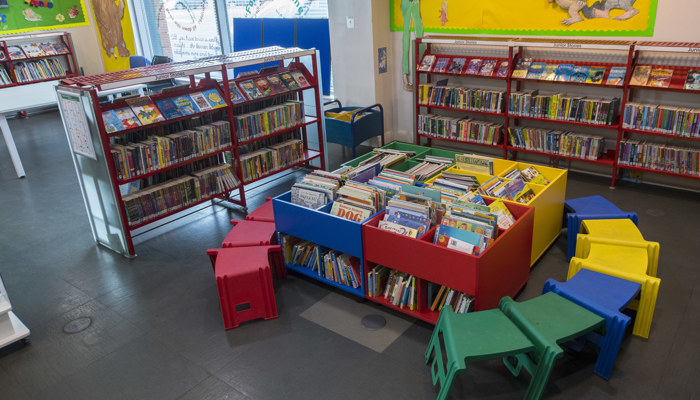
{"x": 364, "y": 123}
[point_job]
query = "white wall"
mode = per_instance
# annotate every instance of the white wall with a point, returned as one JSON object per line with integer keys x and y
{"x": 352, "y": 57}
{"x": 87, "y": 45}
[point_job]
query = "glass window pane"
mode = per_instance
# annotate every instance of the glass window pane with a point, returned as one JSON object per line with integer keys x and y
{"x": 314, "y": 9}
{"x": 183, "y": 29}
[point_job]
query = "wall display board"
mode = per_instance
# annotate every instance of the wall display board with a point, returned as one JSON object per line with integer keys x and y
{"x": 34, "y": 15}
{"x": 514, "y": 17}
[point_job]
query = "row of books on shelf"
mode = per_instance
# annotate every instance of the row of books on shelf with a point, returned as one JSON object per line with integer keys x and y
{"x": 461, "y": 97}
{"x": 559, "y": 106}
{"x": 571, "y": 144}
{"x": 679, "y": 121}
{"x": 4, "y": 76}
{"x": 329, "y": 264}
{"x": 269, "y": 120}
{"x": 660, "y": 157}
{"x": 459, "y": 128}
{"x": 144, "y": 111}
{"x": 429, "y": 166}
{"x": 463, "y": 65}
{"x": 660, "y": 76}
{"x": 45, "y": 68}
{"x": 264, "y": 86}
{"x": 31, "y": 50}
{"x": 266, "y": 160}
{"x": 396, "y": 287}
{"x": 568, "y": 72}
{"x": 399, "y": 289}
{"x": 157, "y": 152}
{"x": 460, "y": 302}
{"x": 175, "y": 194}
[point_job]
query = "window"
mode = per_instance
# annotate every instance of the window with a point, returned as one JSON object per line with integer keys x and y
{"x": 189, "y": 29}
{"x": 180, "y": 29}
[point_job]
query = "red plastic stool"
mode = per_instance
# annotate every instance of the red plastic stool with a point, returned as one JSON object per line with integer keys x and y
{"x": 262, "y": 213}
{"x": 250, "y": 233}
{"x": 244, "y": 282}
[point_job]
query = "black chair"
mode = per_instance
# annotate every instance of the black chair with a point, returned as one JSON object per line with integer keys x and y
{"x": 158, "y": 86}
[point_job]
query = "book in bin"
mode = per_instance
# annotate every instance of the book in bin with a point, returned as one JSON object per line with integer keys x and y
{"x": 200, "y": 100}
{"x": 660, "y": 77}
{"x": 288, "y": 80}
{"x": 692, "y": 80}
{"x": 301, "y": 79}
{"x": 236, "y": 95}
{"x": 427, "y": 64}
{"x": 145, "y": 110}
{"x": 441, "y": 64}
{"x": 640, "y": 75}
{"x": 616, "y": 76}
{"x": 457, "y": 65}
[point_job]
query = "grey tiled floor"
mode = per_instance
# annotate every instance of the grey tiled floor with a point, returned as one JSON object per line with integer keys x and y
{"x": 157, "y": 330}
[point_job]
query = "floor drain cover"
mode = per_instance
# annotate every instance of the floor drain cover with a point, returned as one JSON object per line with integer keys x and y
{"x": 77, "y": 325}
{"x": 373, "y": 322}
{"x": 655, "y": 212}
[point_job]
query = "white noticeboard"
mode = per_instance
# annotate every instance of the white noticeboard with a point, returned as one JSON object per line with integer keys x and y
{"x": 76, "y": 124}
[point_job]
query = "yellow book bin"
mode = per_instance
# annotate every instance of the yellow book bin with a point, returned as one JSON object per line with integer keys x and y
{"x": 548, "y": 201}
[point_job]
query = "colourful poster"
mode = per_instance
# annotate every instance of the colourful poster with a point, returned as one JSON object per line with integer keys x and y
{"x": 113, "y": 26}
{"x": 35, "y": 15}
{"x": 540, "y": 17}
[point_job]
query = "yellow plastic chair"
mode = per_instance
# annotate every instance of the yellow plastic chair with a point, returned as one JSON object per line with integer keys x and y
{"x": 630, "y": 260}
{"x": 621, "y": 229}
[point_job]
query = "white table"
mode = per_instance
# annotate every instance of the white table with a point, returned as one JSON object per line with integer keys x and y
{"x": 36, "y": 95}
{"x": 19, "y": 98}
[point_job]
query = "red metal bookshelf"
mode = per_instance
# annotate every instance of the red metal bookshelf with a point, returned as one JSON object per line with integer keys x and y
{"x": 89, "y": 87}
{"x": 598, "y": 53}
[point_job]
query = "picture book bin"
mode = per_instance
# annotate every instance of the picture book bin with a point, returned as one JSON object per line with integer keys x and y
{"x": 350, "y": 126}
{"x": 320, "y": 227}
{"x": 502, "y": 269}
{"x": 419, "y": 150}
{"x": 548, "y": 201}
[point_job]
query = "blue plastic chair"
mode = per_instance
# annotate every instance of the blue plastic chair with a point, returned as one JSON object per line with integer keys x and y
{"x": 138, "y": 61}
{"x": 592, "y": 207}
{"x": 605, "y": 296}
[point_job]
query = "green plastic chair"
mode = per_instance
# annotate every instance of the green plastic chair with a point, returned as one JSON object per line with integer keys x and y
{"x": 529, "y": 331}
{"x": 472, "y": 336}
{"x": 548, "y": 320}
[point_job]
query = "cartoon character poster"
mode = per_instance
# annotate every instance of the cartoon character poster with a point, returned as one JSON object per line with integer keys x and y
{"x": 534, "y": 17}
{"x": 113, "y": 26}
{"x": 34, "y": 15}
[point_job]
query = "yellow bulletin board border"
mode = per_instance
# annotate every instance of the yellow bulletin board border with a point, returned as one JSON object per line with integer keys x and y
{"x": 396, "y": 24}
{"x": 57, "y": 26}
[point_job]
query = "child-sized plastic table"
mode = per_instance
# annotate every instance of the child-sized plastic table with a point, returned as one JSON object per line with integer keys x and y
{"x": 589, "y": 208}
